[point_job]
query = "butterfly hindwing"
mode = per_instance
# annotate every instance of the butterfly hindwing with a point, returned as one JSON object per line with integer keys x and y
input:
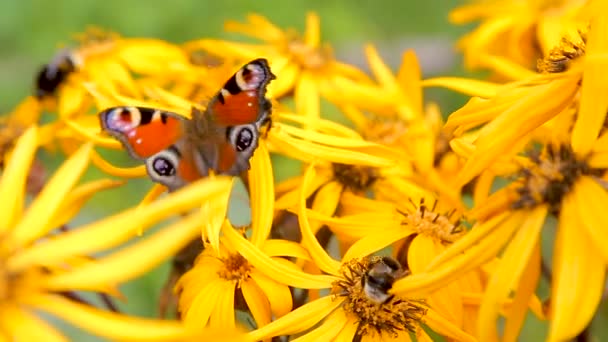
{"x": 242, "y": 99}
{"x": 143, "y": 131}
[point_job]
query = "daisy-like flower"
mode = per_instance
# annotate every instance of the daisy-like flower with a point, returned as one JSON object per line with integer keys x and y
{"x": 512, "y": 35}
{"x": 243, "y": 273}
{"x": 359, "y": 308}
{"x": 41, "y": 265}
{"x": 557, "y": 181}
{"x": 303, "y": 66}
{"x": 513, "y": 116}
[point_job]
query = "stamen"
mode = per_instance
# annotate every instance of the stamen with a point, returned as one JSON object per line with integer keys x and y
{"x": 356, "y": 178}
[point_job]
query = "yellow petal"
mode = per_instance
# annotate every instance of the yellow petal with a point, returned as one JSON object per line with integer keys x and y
{"x": 257, "y": 302}
{"x": 312, "y": 36}
{"x": 51, "y": 198}
{"x": 72, "y": 100}
{"x": 204, "y": 303}
{"x": 113, "y": 230}
{"x": 509, "y": 272}
{"x": 272, "y": 268}
{"x": 524, "y": 298}
{"x": 409, "y": 78}
{"x": 591, "y": 213}
{"x": 444, "y": 327}
{"x": 192, "y": 283}
{"x": 347, "y": 334}
{"x": 223, "y": 313}
{"x": 307, "y": 97}
{"x": 126, "y": 264}
{"x": 328, "y": 329}
{"x": 299, "y": 319}
{"x": 277, "y": 247}
{"x": 77, "y": 198}
{"x": 593, "y": 103}
{"x": 14, "y": 177}
{"x": 88, "y": 133}
{"x": 279, "y": 295}
{"x": 332, "y": 128}
{"x": 465, "y": 86}
{"x": 505, "y": 67}
{"x": 261, "y": 187}
{"x": 381, "y": 71}
{"x": 108, "y": 324}
{"x": 578, "y": 278}
{"x": 375, "y": 242}
{"x": 309, "y": 240}
{"x": 19, "y": 324}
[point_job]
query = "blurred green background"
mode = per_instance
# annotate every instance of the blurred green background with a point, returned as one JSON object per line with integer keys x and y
{"x": 31, "y": 31}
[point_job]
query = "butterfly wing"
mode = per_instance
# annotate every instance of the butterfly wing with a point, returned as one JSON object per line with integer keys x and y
{"x": 158, "y": 138}
{"x": 143, "y": 131}
{"x": 234, "y": 117}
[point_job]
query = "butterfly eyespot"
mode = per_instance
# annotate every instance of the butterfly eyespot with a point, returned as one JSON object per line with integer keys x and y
{"x": 244, "y": 138}
{"x": 163, "y": 167}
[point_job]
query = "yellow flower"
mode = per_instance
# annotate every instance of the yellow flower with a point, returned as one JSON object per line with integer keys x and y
{"x": 516, "y": 114}
{"x": 302, "y": 65}
{"x": 13, "y": 124}
{"x": 358, "y": 305}
{"x": 39, "y": 265}
{"x": 512, "y": 35}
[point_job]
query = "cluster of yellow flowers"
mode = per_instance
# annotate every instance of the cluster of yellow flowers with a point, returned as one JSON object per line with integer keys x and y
{"x": 399, "y": 227}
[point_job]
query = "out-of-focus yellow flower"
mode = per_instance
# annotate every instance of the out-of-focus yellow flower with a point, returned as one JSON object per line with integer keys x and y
{"x": 12, "y": 125}
{"x": 40, "y": 265}
{"x": 303, "y": 66}
{"x": 512, "y": 35}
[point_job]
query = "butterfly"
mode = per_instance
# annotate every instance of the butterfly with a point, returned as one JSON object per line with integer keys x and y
{"x": 222, "y": 138}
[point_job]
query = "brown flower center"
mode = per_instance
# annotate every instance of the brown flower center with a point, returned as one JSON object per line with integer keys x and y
{"x": 428, "y": 221}
{"x": 550, "y": 177}
{"x": 354, "y": 177}
{"x": 235, "y": 268}
{"x": 362, "y": 280}
{"x": 309, "y": 57}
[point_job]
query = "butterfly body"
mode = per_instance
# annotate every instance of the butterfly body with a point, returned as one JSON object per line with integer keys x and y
{"x": 221, "y": 138}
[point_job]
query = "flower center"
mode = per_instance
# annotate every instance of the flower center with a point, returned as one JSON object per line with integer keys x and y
{"x": 308, "y": 57}
{"x": 364, "y": 284}
{"x": 550, "y": 177}
{"x": 560, "y": 58}
{"x": 235, "y": 268}
{"x": 426, "y": 220}
{"x": 356, "y": 178}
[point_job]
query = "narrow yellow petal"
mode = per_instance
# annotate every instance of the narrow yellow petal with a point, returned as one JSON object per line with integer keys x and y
{"x": 312, "y": 36}
{"x": 18, "y": 324}
{"x": 579, "y": 275}
{"x": 328, "y": 330}
{"x": 91, "y": 134}
{"x": 347, "y": 334}
{"x": 257, "y": 302}
{"x": 273, "y": 269}
{"x": 277, "y": 247}
{"x": 524, "y": 298}
{"x": 77, "y": 198}
{"x": 307, "y": 97}
{"x": 409, "y": 77}
{"x": 51, "y": 198}
{"x": 279, "y": 295}
{"x": 261, "y": 187}
{"x": 215, "y": 210}
{"x": 505, "y": 67}
{"x": 375, "y": 242}
{"x": 113, "y": 230}
{"x": 381, "y": 71}
{"x": 108, "y": 324}
{"x": 332, "y": 128}
{"x": 14, "y": 177}
{"x": 223, "y": 315}
{"x": 299, "y": 319}
{"x": 204, "y": 303}
{"x": 593, "y": 105}
{"x": 465, "y": 86}
{"x": 195, "y": 281}
{"x": 444, "y": 327}
{"x": 509, "y": 272}
{"x": 591, "y": 213}
{"x": 126, "y": 264}
{"x": 309, "y": 240}
{"x": 72, "y": 100}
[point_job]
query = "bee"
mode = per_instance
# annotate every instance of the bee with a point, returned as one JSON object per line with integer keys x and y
{"x": 380, "y": 277}
{"x": 53, "y": 74}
